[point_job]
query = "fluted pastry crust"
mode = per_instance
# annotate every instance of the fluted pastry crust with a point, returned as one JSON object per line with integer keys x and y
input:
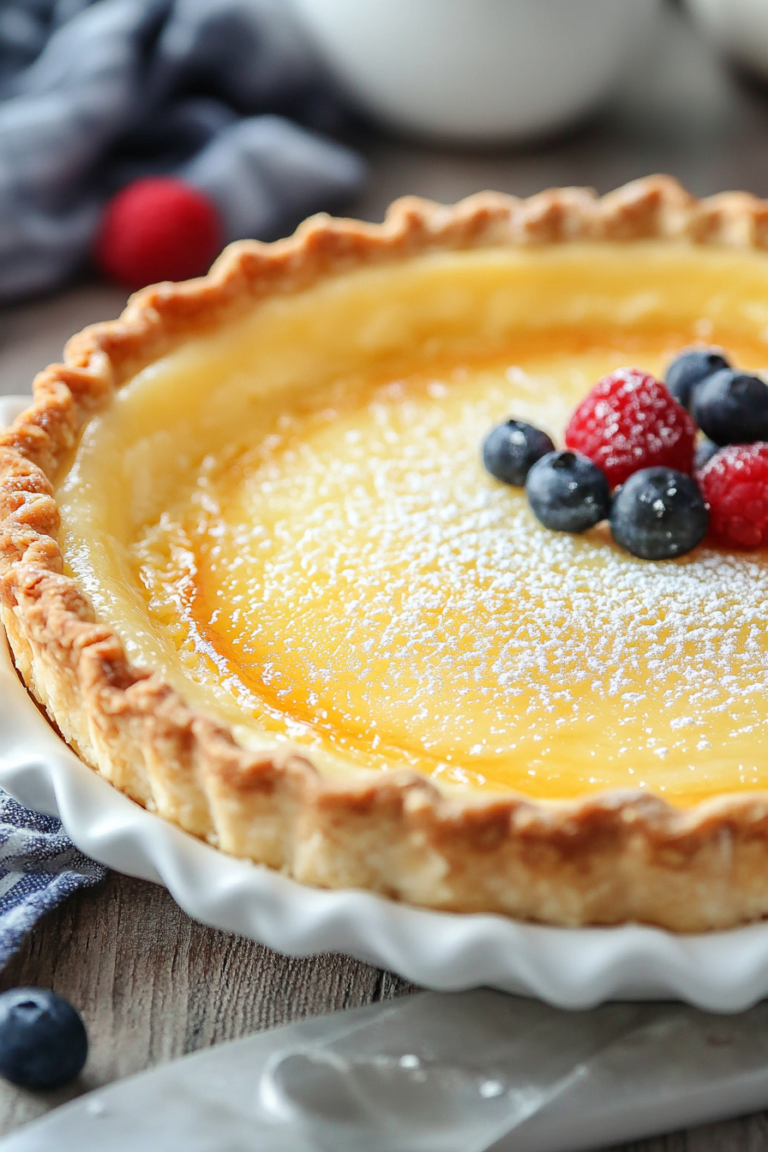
{"x": 608, "y": 859}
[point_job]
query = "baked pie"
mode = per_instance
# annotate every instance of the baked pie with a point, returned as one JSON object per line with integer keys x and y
{"x": 254, "y": 569}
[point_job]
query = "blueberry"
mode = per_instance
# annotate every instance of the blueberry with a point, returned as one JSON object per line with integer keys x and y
{"x": 43, "y": 1042}
{"x": 659, "y": 513}
{"x": 510, "y": 450}
{"x": 705, "y": 450}
{"x": 687, "y": 371}
{"x": 567, "y": 492}
{"x": 732, "y": 407}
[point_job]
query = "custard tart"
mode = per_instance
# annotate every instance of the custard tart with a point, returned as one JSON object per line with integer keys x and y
{"x": 256, "y": 573}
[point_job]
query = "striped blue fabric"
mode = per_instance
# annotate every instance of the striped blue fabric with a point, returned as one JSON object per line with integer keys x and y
{"x": 39, "y": 867}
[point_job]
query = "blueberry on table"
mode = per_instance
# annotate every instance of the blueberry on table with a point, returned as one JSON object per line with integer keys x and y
{"x": 732, "y": 408}
{"x": 567, "y": 492}
{"x": 512, "y": 448}
{"x": 659, "y": 514}
{"x": 43, "y": 1042}
{"x": 687, "y": 371}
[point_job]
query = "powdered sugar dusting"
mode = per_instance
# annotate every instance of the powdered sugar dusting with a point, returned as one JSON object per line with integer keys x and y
{"x": 361, "y": 576}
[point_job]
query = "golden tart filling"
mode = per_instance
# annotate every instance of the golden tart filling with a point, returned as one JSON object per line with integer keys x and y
{"x": 289, "y": 519}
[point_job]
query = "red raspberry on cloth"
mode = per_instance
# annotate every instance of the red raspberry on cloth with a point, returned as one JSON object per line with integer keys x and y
{"x": 157, "y": 228}
{"x": 735, "y": 485}
{"x": 630, "y": 421}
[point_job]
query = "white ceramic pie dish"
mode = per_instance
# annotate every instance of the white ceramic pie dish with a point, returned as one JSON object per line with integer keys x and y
{"x": 570, "y": 968}
{"x": 478, "y": 70}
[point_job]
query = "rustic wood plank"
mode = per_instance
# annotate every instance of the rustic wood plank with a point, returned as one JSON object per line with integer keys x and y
{"x": 152, "y": 984}
{"x": 746, "y": 1134}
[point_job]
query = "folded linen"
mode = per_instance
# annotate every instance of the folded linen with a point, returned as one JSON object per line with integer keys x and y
{"x": 226, "y": 94}
{"x": 39, "y": 867}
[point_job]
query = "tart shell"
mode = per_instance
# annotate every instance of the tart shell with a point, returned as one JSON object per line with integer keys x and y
{"x": 618, "y": 857}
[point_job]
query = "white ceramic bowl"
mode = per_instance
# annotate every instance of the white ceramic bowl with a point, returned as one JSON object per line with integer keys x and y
{"x": 477, "y": 70}
{"x": 570, "y": 968}
{"x": 739, "y": 28}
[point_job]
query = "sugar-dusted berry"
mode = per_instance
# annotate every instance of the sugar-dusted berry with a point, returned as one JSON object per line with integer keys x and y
{"x": 511, "y": 449}
{"x": 735, "y": 485}
{"x": 659, "y": 514}
{"x": 689, "y": 369}
{"x": 567, "y": 492}
{"x": 630, "y": 421}
{"x": 732, "y": 407}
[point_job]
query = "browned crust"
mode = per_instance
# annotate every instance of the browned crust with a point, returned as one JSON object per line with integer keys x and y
{"x": 601, "y": 860}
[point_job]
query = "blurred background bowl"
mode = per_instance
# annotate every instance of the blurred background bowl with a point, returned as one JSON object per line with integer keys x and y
{"x": 485, "y": 71}
{"x": 739, "y": 28}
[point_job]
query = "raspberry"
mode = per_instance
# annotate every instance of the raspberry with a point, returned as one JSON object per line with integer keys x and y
{"x": 630, "y": 421}
{"x": 735, "y": 485}
{"x": 155, "y": 229}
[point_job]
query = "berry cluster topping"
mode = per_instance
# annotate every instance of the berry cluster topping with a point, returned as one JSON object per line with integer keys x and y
{"x": 632, "y": 457}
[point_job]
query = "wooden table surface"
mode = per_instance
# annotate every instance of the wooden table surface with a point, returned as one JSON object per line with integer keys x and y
{"x": 153, "y": 984}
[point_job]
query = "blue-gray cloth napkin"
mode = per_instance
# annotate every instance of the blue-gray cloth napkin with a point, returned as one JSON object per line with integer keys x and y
{"x": 39, "y": 867}
{"x": 226, "y": 94}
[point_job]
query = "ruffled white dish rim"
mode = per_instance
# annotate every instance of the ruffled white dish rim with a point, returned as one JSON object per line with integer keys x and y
{"x": 569, "y": 968}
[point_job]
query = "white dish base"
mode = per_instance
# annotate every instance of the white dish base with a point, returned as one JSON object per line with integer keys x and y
{"x": 569, "y": 968}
